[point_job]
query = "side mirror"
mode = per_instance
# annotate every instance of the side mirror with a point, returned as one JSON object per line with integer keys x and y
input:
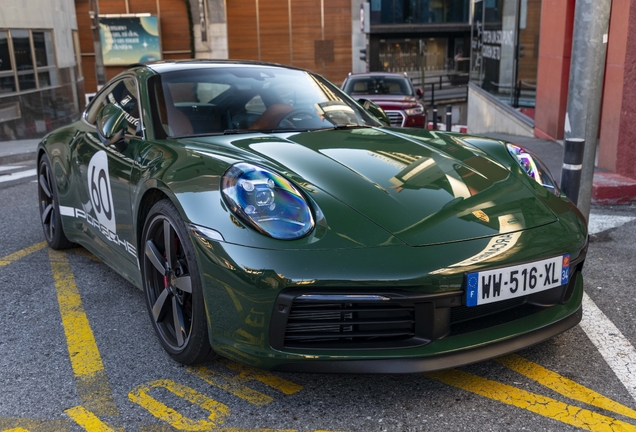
{"x": 111, "y": 126}
{"x": 375, "y": 109}
{"x": 420, "y": 93}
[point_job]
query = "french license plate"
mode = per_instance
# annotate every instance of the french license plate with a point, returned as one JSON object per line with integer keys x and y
{"x": 491, "y": 286}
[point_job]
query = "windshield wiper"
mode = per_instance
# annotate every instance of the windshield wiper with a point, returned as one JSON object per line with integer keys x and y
{"x": 352, "y": 126}
{"x": 238, "y": 131}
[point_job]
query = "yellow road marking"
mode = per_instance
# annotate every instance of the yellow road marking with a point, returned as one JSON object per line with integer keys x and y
{"x": 87, "y": 419}
{"x": 247, "y": 373}
{"x": 532, "y": 402}
{"x": 21, "y": 254}
{"x": 232, "y": 385}
{"x": 14, "y": 424}
{"x": 218, "y": 411}
{"x": 90, "y": 378}
{"x": 562, "y": 385}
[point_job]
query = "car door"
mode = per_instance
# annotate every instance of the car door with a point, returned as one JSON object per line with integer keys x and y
{"x": 105, "y": 176}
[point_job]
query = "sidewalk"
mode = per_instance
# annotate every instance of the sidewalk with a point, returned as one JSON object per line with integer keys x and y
{"x": 18, "y": 151}
{"x": 608, "y": 188}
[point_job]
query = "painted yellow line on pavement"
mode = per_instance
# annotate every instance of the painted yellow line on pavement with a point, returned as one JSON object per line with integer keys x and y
{"x": 247, "y": 373}
{"x": 218, "y": 411}
{"x": 563, "y": 385}
{"x": 15, "y": 424}
{"x": 532, "y": 402}
{"x": 233, "y": 385}
{"x": 21, "y": 254}
{"x": 87, "y": 419}
{"x": 86, "y": 253}
{"x": 90, "y": 378}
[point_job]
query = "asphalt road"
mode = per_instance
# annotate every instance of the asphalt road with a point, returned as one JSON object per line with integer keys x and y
{"x": 77, "y": 352}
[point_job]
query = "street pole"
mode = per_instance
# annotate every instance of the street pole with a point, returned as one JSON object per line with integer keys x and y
{"x": 100, "y": 73}
{"x": 587, "y": 71}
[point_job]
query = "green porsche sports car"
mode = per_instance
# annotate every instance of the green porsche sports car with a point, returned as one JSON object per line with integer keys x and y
{"x": 272, "y": 219}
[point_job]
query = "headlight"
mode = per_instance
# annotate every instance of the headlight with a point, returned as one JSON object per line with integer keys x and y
{"x": 415, "y": 111}
{"x": 533, "y": 167}
{"x": 267, "y": 202}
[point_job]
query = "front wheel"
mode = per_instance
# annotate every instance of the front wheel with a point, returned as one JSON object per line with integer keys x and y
{"x": 173, "y": 287}
{"x": 50, "y": 208}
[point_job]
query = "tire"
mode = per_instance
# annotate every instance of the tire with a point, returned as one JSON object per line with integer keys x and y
{"x": 173, "y": 287}
{"x": 50, "y": 208}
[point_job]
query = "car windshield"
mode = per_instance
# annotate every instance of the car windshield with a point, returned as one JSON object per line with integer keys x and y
{"x": 370, "y": 85}
{"x": 252, "y": 98}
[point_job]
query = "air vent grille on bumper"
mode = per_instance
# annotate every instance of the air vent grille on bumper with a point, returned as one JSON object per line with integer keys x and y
{"x": 312, "y": 323}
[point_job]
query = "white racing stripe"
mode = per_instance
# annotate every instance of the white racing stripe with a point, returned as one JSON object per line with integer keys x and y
{"x": 18, "y": 175}
{"x": 617, "y": 351}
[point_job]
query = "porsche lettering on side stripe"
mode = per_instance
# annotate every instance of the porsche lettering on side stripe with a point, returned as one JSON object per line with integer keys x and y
{"x": 111, "y": 236}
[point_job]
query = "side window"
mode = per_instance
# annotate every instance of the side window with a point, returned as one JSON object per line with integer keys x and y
{"x": 122, "y": 93}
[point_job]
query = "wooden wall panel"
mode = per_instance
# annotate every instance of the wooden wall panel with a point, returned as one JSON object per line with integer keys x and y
{"x": 175, "y": 32}
{"x": 529, "y": 38}
{"x": 338, "y": 29}
{"x": 241, "y": 29}
{"x": 305, "y": 30}
{"x": 274, "y": 27}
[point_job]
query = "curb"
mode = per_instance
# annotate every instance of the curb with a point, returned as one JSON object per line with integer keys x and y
{"x": 612, "y": 188}
{"x": 18, "y": 157}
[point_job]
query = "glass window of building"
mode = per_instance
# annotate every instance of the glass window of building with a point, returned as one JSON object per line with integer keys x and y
{"x": 27, "y": 60}
{"x": 23, "y": 59}
{"x": 418, "y": 11}
{"x": 504, "y": 50}
{"x": 7, "y": 76}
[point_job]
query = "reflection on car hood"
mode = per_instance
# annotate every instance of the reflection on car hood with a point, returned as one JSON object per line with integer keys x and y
{"x": 422, "y": 190}
{"x": 390, "y": 102}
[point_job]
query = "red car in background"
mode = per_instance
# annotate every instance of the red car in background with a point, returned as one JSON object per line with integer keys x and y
{"x": 394, "y": 93}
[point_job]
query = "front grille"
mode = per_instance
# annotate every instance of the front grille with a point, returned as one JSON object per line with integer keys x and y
{"x": 396, "y": 117}
{"x": 340, "y": 324}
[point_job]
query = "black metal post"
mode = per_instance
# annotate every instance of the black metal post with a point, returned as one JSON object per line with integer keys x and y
{"x": 572, "y": 165}
{"x": 432, "y": 93}
{"x": 449, "y": 117}
{"x": 434, "y": 117}
{"x": 440, "y": 82}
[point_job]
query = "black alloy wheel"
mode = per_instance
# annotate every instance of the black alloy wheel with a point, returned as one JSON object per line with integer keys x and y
{"x": 49, "y": 207}
{"x": 173, "y": 288}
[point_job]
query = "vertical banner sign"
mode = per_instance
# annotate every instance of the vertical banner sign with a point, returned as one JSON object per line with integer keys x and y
{"x": 129, "y": 39}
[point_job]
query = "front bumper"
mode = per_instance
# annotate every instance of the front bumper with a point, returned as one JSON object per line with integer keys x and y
{"x": 245, "y": 291}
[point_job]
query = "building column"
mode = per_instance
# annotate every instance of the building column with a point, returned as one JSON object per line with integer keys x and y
{"x": 555, "y": 50}
{"x": 617, "y": 147}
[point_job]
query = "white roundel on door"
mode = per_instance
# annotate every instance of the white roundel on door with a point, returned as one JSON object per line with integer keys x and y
{"x": 100, "y": 191}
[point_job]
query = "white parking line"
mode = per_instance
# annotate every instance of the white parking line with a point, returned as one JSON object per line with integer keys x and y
{"x": 18, "y": 175}
{"x": 10, "y": 167}
{"x": 617, "y": 351}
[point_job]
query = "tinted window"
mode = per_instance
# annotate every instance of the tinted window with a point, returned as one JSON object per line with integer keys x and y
{"x": 378, "y": 85}
{"x": 122, "y": 93}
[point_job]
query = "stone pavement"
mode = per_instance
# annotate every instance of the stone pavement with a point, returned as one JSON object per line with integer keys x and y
{"x": 608, "y": 188}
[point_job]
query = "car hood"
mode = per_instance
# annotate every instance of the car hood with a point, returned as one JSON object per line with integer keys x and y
{"x": 424, "y": 190}
{"x": 391, "y": 102}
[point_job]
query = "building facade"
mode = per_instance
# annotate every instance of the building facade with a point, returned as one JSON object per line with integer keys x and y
{"x": 41, "y": 82}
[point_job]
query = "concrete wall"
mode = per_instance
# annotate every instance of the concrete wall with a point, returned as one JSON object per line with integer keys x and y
{"x": 358, "y": 39}
{"x": 56, "y": 15}
{"x": 216, "y": 46}
{"x": 486, "y": 115}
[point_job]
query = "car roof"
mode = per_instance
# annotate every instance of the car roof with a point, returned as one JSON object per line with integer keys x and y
{"x": 163, "y": 66}
{"x": 373, "y": 74}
